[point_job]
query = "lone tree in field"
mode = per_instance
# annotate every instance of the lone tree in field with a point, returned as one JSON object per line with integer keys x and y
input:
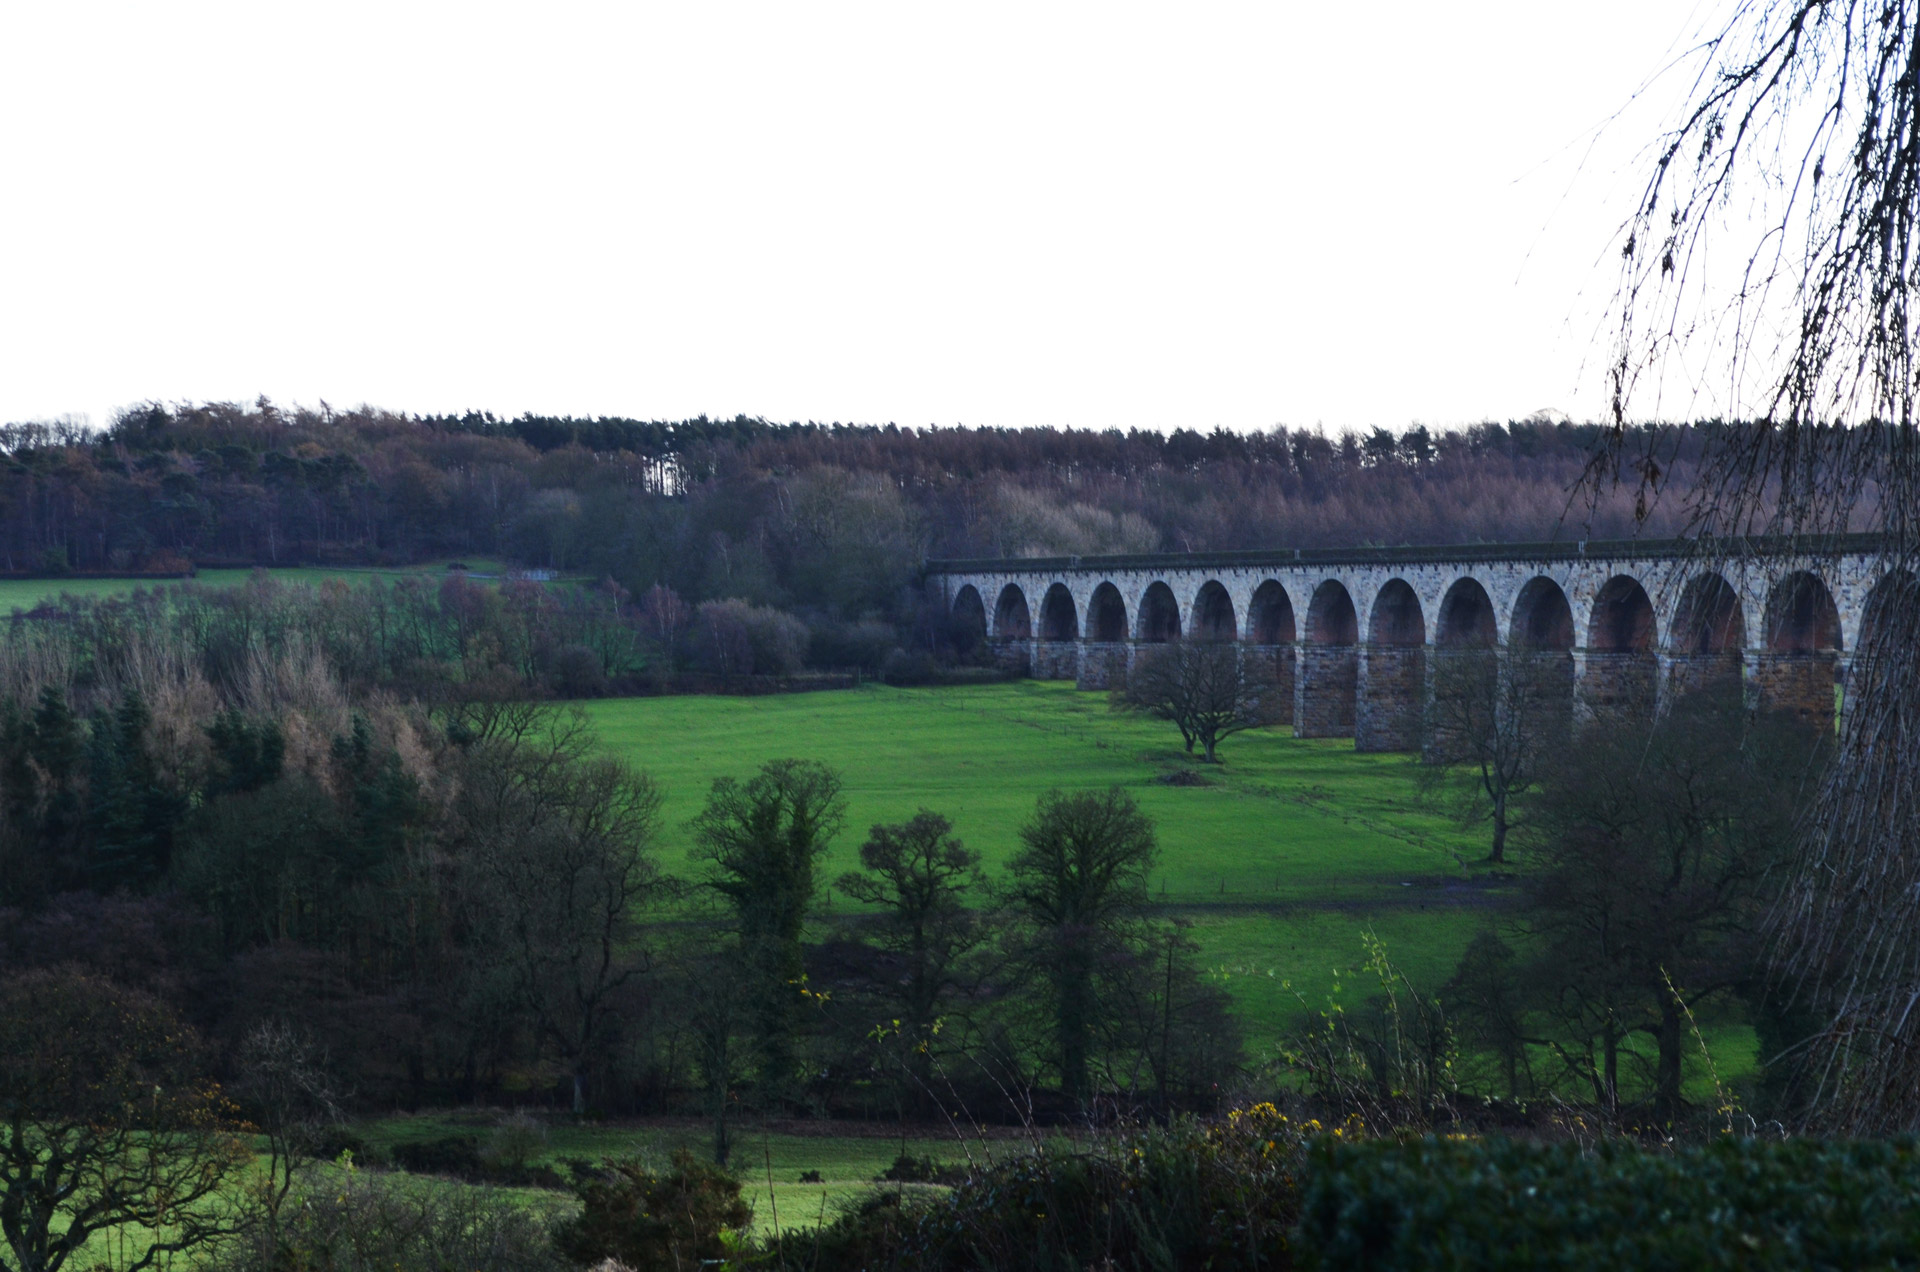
{"x": 918, "y": 874}
{"x": 1490, "y": 723}
{"x": 762, "y": 841}
{"x": 1804, "y": 115}
{"x": 1080, "y": 879}
{"x": 1201, "y": 687}
{"x": 107, "y": 1125}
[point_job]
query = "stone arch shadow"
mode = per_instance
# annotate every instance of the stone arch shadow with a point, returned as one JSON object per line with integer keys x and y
{"x": 968, "y": 622}
{"x": 1622, "y": 673}
{"x": 1326, "y": 691}
{"x": 1540, "y": 663}
{"x": 1797, "y": 669}
{"x": 1012, "y": 620}
{"x": 1012, "y": 631}
{"x": 1708, "y": 637}
{"x": 1213, "y": 616}
{"x": 1392, "y": 687}
{"x": 1103, "y": 653}
{"x": 1056, "y": 651}
{"x": 1159, "y": 618}
{"x": 1465, "y": 672}
{"x": 1889, "y": 632}
{"x": 1270, "y": 637}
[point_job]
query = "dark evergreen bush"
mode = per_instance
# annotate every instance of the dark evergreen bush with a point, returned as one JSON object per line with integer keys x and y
{"x": 645, "y": 1219}
{"x": 1217, "y": 1195}
{"x": 1500, "y": 1203}
{"x": 457, "y": 1155}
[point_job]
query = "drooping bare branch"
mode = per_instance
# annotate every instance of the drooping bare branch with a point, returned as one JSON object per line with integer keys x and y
{"x": 1800, "y": 146}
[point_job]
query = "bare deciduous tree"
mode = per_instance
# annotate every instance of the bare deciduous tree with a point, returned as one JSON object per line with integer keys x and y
{"x": 559, "y": 854}
{"x": 1202, "y": 688}
{"x": 107, "y": 1125}
{"x": 1491, "y": 718}
{"x": 917, "y": 874}
{"x": 291, "y": 1097}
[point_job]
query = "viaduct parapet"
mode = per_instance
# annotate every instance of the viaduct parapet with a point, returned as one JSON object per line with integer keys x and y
{"x": 1352, "y": 636}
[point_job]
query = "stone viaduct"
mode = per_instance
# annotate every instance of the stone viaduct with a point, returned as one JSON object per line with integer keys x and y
{"x": 1351, "y": 636}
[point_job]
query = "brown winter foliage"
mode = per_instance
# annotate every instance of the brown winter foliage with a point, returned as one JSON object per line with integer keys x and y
{"x": 798, "y": 516}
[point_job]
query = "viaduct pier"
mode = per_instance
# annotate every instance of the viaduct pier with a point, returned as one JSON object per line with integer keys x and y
{"x": 1351, "y": 637}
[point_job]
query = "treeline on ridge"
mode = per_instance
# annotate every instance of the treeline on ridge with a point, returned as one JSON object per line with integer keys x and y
{"x": 801, "y": 517}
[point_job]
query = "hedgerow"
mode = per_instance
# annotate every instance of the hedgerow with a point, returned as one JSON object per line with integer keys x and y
{"x": 1498, "y": 1203}
{"x": 1220, "y": 1195}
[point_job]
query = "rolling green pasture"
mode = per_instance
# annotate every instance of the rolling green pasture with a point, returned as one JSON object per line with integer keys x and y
{"x": 1294, "y": 849}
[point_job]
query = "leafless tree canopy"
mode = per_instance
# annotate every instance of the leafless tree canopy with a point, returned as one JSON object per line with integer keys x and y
{"x": 1801, "y": 135}
{"x": 1800, "y": 148}
{"x": 1202, "y": 688}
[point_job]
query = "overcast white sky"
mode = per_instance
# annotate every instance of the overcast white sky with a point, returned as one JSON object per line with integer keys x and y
{"x": 1090, "y": 215}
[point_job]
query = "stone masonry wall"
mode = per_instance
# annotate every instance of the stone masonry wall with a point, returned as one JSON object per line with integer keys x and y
{"x": 1056, "y": 660}
{"x": 1689, "y": 673}
{"x": 1273, "y": 663}
{"x": 1392, "y": 696}
{"x": 1323, "y": 701}
{"x": 1800, "y": 683}
{"x": 1103, "y": 665}
{"x": 1619, "y": 683}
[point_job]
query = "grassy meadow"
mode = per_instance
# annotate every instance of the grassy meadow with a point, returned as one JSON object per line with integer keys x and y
{"x": 1293, "y": 850}
{"x": 1280, "y": 863}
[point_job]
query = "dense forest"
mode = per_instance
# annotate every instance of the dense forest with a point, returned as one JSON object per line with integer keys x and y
{"x": 809, "y": 518}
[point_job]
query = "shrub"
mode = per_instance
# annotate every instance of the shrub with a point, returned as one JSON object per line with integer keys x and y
{"x": 1217, "y": 1195}
{"x": 650, "y": 1220}
{"x": 864, "y": 645}
{"x": 516, "y": 1141}
{"x": 902, "y": 668}
{"x": 334, "y": 1142}
{"x": 1504, "y": 1204}
{"x": 734, "y": 638}
{"x": 457, "y": 1155}
{"x": 907, "y": 1169}
{"x": 578, "y": 672}
{"x": 375, "y": 1223}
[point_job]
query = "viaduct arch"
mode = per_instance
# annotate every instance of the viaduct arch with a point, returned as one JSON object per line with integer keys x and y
{"x": 1356, "y": 640}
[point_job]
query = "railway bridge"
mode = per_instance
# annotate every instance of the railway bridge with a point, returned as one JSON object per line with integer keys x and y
{"x": 1351, "y": 637}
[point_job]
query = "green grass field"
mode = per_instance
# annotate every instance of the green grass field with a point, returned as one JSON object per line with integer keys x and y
{"x": 1294, "y": 849}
